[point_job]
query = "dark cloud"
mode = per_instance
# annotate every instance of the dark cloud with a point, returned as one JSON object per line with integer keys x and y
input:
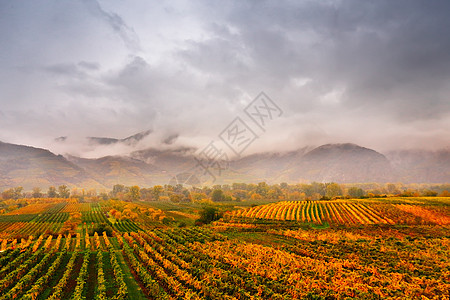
{"x": 369, "y": 72}
{"x": 91, "y": 66}
{"x": 127, "y": 33}
{"x": 170, "y": 139}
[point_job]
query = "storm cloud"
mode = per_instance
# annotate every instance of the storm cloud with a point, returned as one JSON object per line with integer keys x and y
{"x": 375, "y": 73}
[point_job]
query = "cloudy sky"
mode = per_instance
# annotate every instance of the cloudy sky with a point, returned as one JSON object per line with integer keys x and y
{"x": 375, "y": 73}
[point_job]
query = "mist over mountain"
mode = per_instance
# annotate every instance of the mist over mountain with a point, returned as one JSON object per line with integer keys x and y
{"x": 34, "y": 167}
{"x": 374, "y": 73}
{"x": 110, "y": 170}
{"x": 342, "y": 163}
{"x": 131, "y": 140}
{"x": 420, "y": 165}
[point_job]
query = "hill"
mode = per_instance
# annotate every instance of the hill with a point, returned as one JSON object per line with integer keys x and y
{"x": 342, "y": 163}
{"x": 30, "y": 167}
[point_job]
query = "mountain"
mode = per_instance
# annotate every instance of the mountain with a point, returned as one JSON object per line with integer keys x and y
{"x": 267, "y": 166}
{"x": 343, "y": 163}
{"x": 110, "y": 170}
{"x": 30, "y": 167}
{"x": 418, "y": 166}
{"x": 131, "y": 140}
{"x": 170, "y": 160}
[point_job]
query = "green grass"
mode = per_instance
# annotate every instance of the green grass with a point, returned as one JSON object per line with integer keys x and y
{"x": 134, "y": 290}
{"x": 55, "y": 278}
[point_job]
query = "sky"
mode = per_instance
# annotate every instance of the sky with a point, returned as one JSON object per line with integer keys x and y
{"x": 374, "y": 73}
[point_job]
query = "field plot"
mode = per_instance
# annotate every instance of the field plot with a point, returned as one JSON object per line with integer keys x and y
{"x": 198, "y": 263}
{"x": 343, "y": 212}
{"x": 61, "y": 217}
{"x": 276, "y": 257}
{"x": 32, "y": 209}
{"x": 77, "y": 207}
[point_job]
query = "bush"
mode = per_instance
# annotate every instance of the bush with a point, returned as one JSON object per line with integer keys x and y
{"x": 100, "y": 227}
{"x": 207, "y": 215}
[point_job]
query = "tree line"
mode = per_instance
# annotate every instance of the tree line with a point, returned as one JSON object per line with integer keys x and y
{"x": 235, "y": 192}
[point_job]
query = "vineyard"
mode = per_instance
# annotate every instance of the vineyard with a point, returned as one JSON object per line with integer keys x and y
{"x": 37, "y": 219}
{"x": 347, "y": 213}
{"x": 233, "y": 258}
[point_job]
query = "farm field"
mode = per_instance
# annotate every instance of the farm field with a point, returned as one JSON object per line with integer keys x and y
{"x": 412, "y": 211}
{"x": 283, "y": 250}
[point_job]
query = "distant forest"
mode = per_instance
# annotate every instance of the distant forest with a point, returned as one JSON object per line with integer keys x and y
{"x": 235, "y": 192}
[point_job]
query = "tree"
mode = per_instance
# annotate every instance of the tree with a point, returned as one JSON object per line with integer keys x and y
{"x": 445, "y": 193}
{"x": 63, "y": 191}
{"x": 37, "y": 192}
{"x": 18, "y": 192}
{"x": 157, "y": 191}
{"x": 255, "y": 196}
{"x": 13, "y": 193}
{"x": 8, "y": 194}
{"x": 217, "y": 196}
{"x": 239, "y": 186}
{"x": 241, "y": 194}
{"x": 198, "y": 196}
{"x": 355, "y": 192}
{"x": 51, "y": 193}
{"x": 176, "y": 198}
{"x": 208, "y": 214}
{"x": 117, "y": 189}
{"x": 262, "y": 189}
{"x": 274, "y": 193}
{"x": 429, "y": 193}
{"x": 392, "y": 189}
{"x": 333, "y": 190}
{"x": 100, "y": 227}
{"x": 134, "y": 193}
{"x": 91, "y": 193}
{"x": 319, "y": 188}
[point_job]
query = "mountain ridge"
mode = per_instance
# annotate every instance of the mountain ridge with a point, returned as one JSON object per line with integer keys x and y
{"x": 29, "y": 166}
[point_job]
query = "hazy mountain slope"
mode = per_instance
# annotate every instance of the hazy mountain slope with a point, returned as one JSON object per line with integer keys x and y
{"x": 110, "y": 170}
{"x": 267, "y": 166}
{"x": 172, "y": 161}
{"x": 343, "y": 163}
{"x": 421, "y": 166}
{"x": 30, "y": 167}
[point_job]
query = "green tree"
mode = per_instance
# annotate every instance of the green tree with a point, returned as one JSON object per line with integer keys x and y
{"x": 100, "y": 227}
{"x": 208, "y": 214}
{"x": 217, "y": 196}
